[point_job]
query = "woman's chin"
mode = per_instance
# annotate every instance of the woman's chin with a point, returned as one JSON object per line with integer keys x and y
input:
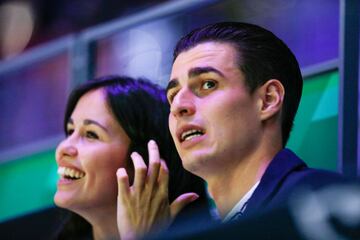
{"x": 63, "y": 201}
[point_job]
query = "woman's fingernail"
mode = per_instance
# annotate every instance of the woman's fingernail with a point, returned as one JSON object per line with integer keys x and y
{"x": 194, "y": 197}
{"x": 121, "y": 172}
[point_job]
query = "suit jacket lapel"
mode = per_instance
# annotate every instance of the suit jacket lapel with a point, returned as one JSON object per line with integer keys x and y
{"x": 280, "y": 167}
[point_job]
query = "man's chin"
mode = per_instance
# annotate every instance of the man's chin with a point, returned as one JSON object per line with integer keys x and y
{"x": 196, "y": 164}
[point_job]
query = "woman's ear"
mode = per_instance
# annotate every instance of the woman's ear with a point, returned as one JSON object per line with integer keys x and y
{"x": 271, "y": 98}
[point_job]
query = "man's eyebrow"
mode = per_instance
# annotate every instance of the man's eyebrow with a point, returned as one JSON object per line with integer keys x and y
{"x": 89, "y": 122}
{"x": 194, "y": 72}
{"x": 172, "y": 84}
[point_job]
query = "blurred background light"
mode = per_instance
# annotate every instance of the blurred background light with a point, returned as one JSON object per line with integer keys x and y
{"x": 16, "y": 27}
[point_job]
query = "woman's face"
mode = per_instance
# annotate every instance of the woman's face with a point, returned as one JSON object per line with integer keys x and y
{"x": 95, "y": 147}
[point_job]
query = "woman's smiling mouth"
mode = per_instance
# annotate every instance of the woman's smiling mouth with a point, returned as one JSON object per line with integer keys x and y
{"x": 70, "y": 173}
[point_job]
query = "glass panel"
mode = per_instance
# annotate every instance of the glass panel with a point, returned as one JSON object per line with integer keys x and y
{"x": 310, "y": 29}
{"x": 316, "y": 123}
{"x": 32, "y": 102}
{"x": 142, "y": 51}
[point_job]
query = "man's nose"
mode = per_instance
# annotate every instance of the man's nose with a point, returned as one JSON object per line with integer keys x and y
{"x": 183, "y": 104}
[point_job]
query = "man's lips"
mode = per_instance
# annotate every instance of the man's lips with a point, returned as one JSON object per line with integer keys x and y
{"x": 189, "y": 131}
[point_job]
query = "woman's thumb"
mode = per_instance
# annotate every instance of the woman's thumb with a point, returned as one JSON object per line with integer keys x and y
{"x": 180, "y": 202}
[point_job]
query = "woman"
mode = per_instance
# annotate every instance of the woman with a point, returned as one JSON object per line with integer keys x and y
{"x": 108, "y": 124}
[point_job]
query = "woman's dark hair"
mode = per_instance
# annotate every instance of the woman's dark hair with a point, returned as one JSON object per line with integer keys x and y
{"x": 261, "y": 56}
{"x": 141, "y": 108}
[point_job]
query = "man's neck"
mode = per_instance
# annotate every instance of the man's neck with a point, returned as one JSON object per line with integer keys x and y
{"x": 230, "y": 185}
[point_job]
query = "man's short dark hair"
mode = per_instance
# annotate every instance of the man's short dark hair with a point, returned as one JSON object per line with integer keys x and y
{"x": 261, "y": 56}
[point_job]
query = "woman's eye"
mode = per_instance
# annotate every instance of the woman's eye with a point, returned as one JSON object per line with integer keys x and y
{"x": 170, "y": 97}
{"x": 91, "y": 135}
{"x": 69, "y": 132}
{"x": 208, "y": 85}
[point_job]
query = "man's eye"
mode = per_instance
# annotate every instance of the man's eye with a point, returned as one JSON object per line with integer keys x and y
{"x": 91, "y": 135}
{"x": 208, "y": 85}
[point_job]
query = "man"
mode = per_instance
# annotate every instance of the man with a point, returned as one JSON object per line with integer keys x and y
{"x": 234, "y": 92}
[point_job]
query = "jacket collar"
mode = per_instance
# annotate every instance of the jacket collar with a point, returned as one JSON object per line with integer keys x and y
{"x": 279, "y": 168}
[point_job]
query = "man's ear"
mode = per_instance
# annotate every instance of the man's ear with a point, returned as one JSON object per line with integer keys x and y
{"x": 271, "y": 98}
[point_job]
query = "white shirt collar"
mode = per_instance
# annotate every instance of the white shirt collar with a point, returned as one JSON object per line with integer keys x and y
{"x": 238, "y": 207}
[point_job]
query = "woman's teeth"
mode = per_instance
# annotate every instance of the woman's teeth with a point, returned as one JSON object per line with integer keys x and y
{"x": 70, "y": 173}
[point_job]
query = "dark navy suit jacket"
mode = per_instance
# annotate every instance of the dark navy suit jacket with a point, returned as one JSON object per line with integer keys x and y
{"x": 285, "y": 174}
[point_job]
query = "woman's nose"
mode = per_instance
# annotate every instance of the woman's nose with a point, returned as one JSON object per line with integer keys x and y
{"x": 66, "y": 148}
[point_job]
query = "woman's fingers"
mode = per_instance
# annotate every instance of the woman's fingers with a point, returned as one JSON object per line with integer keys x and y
{"x": 154, "y": 162}
{"x": 140, "y": 171}
{"x": 163, "y": 177}
{"x": 123, "y": 182}
{"x": 145, "y": 204}
{"x": 180, "y": 202}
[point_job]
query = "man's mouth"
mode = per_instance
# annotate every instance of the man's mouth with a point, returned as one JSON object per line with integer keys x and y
{"x": 70, "y": 173}
{"x": 189, "y": 134}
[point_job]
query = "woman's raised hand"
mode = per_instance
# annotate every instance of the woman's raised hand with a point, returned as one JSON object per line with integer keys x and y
{"x": 144, "y": 206}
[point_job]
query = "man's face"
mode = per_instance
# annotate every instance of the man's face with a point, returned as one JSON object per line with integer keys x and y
{"x": 214, "y": 120}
